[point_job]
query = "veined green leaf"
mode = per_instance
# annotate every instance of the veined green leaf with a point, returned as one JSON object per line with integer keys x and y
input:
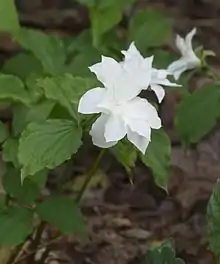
{"x": 47, "y": 144}
{"x": 158, "y": 157}
{"x": 68, "y": 220}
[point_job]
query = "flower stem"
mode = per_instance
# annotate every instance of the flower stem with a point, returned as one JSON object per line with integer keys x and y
{"x": 89, "y": 176}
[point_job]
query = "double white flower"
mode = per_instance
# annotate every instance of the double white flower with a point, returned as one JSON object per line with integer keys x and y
{"x": 188, "y": 59}
{"x": 123, "y": 113}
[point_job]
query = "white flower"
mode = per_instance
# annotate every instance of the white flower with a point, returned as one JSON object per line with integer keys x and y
{"x": 188, "y": 58}
{"x": 133, "y": 59}
{"x": 122, "y": 112}
{"x": 159, "y": 78}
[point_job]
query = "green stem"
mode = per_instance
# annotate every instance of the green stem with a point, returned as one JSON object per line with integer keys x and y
{"x": 89, "y": 176}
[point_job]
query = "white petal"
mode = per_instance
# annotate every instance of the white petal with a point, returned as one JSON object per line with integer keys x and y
{"x": 97, "y": 133}
{"x": 140, "y": 108}
{"x": 107, "y": 71}
{"x": 180, "y": 43}
{"x": 88, "y": 103}
{"x": 189, "y": 37}
{"x": 137, "y": 67}
{"x": 132, "y": 53}
{"x": 160, "y": 77}
{"x": 141, "y": 127}
{"x": 140, "y": 142}
{"x": 159, "y": 91}
{"x": 115, "y": 128}
{"x": 177, "y": 68}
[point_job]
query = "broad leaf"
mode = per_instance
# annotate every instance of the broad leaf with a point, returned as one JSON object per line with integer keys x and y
{"x": 197, "y": 114}
{"x": 3, "y": 132}
{"x": 12, "y": 88}
{"x": 10, "y": 152}
{"x": 66, "y": 90}
{"x": 105, "y": 16}
{"x": 213, "y": 219}
{"x": 126, "y": 154}
{"x": 22, "y": 65}
{"x": 158, "y": 157}
{"x": 79, "y": 65}
{"x": 47, "y": 144}
{"x": 149, "y": 29}
{"x": 26, "y": 192}
{"x": 162, "y": 59}
{"x": 15, "y": 225}
{"x": 47, "y": 48}
{"x": 62, "y": 212}
{"x": 8, "y": 16}
{"x": 40, "y": 178}
{"x": 23, "y": 115}
{"x": 161, "y": 255}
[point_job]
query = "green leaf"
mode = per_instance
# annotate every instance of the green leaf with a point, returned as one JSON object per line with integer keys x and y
{"x": 79, "y": 65}
{"x": 40, "y": 178}
{"x": 47, "y": 144}
{"x": 26, "y": 192}
{"x": 47, "y": 48}
{"x": 149, "y": 29}
{"x": 158, "y": 157}
{"x": 105, "y": 16}
{"x": 161, "y": 255}
{"x": 8, "y": 16}
{"x": 62, "y": 212}
{"x": 162, "y": 59}
{"x": 15, "y": 225}
{"x": 12, "y": 88}
{"x": 66, "y": 90}
{"x": 213, "y": 219}
{"x": 22, "y": 65}
{"x": 126, "y": 154}
{"x": 10, "y": 152}
{"x": 23, "y": 115}
{"x": 3, "y": 132}
{"x": 197, "y": 114}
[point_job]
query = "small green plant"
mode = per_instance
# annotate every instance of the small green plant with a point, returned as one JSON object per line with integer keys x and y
{"x": 59, "y": 93}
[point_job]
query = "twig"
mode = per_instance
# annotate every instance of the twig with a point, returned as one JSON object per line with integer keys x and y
{"x": 52, "y": 241}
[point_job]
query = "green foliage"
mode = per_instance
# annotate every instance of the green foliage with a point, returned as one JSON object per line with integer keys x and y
{"x": 163, "y": 58}
{"x": 10, "y": 152}
{"x": 149, "y": 29}
{"x": 47, "y": 144}
{"x": 3, "y": 132}
{"x": 158, "y": 156}
{"x": 105, "y": 15}
{"x": 62, "y": 212}
{"x": 8, "y": 16}
{"x": 15, "y": 225}
{"x": 213, "y": 220}
{"x": 25, "y": 192}
{"x": 126, "y": 154}
{"x": 22, "y": 65}
{"x": 22, "y": 115}
{"x": 78, "y": 66}
{"x": 161, "y": 255}
{"x": 197, "y": 114}
{"x": 48, "y": 49}
{"x": 66, "y": 90}
{"x": 12, "y": 89}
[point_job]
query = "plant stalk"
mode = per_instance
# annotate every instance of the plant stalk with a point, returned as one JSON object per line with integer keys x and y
{"x": 89, "y": 176}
